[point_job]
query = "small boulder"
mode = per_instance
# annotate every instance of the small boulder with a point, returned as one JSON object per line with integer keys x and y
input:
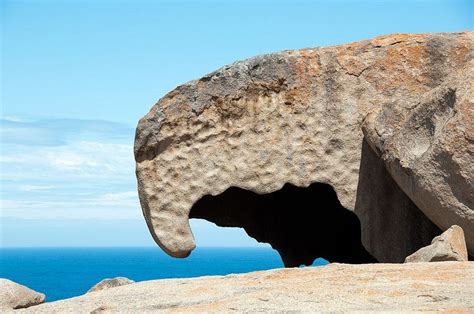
{"x": 110, "y": 283}
{"x": 16, "y": 296}
{"x": 449, "y": 246}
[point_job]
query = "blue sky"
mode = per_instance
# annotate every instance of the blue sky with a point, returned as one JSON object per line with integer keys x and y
{"x": 77, "y": 75}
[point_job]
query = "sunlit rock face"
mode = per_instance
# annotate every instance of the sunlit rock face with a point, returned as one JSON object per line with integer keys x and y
{"x": 16, "y": 296}
{"x": 335, "y": 288}
{"x": 449, "y": 246}
{"x": 295, "y": 117}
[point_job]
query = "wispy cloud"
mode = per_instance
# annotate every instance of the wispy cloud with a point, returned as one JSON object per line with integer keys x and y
{"x": 129, "y": 198}
{"x": 106, "y": 206}
{"x": 55, "y": 132}
{"x": 74, "y": 159}
{"x": 32, "y": 188}
{"x": 67, "y": 168}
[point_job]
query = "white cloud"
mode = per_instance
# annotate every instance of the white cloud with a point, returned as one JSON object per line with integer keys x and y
{"x": 77, "y": 159}
{"x": 56, "y": 132}
{"x": 88, "y": 173}
{"x": 72, "y": 161}
{"x": 33, "y": 188}
{"x": 122, "y": 205}
{"x": 13, "y": 119}
{"x": 129, "y": 198}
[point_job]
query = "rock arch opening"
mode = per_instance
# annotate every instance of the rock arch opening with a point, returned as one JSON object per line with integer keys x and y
{"x": 301, "y": 223}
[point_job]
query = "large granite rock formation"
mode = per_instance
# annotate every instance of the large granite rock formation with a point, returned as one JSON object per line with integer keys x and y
{"x": 445, "y": 287}
{"x": 449, "y": 246}
{"x": 16, "y": 296}
{"x": 223, "y": 147}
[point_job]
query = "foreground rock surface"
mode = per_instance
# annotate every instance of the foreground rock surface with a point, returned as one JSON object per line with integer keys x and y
{"x": 295, "y": 117}
{"x": 110, "y": 283}
{"x": 16, "y": 296}
{"x": 449, "y": 246}
{"x": 444, "y": 286}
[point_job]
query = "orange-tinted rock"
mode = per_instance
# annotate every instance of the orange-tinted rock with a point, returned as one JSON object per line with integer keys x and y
{"x": 295, "y": 117}
{"x": 428, "y": 150}
{"x": 449, "y": 246}
{"x": 419, "y": 287}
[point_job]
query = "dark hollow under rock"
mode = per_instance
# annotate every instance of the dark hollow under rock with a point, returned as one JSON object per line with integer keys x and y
{"x": 302, "y": 224}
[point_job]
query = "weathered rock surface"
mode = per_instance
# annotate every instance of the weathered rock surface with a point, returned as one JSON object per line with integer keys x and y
{"x": 392, "y": 227}
{"x": 428, "y": 149}
{"x": 449, "y": 246}
{"x": 16, "y": 296}
{"x": 444, "y": 286}
{"x": 295, "y": 117}
{"x": 110, "y": 283}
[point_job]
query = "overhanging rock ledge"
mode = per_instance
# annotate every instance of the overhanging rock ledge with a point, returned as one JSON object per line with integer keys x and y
{"x": 295, "y": 118}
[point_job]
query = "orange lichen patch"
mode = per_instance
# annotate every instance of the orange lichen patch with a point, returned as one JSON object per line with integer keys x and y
{"x": 354, "y": 58}
{"x": 308, "y": 52}
{"x": 406, "y": 65}
{"x": 387, "y": 40}
{"x": 460, "y": 53}
{"x": 306, "y": 67}
{"x": 355, "y": 45}
{"x": 455, "y": 310}
{"x": 351, "y": 64}
{"x": 372, "y": 292}
{"x": 395, "y": 293}
{"x": 420, "y": 286}
{"x": 444, "y": 276}
{"x": 307, "y": 63}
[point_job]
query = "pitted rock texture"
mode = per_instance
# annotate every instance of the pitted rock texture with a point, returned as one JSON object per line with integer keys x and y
{"x": 289, "y": 117}
{"x": 16, "y": 296}
{"x": 446, "y": 287}
{"x": 110, "y": 283}
{"x": 449, "y": 246}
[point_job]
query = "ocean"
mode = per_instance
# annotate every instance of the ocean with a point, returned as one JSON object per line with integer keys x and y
{"x": 62, "y": 273}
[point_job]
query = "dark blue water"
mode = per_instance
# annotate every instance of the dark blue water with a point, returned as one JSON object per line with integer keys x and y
{"x": 66, "y": 272}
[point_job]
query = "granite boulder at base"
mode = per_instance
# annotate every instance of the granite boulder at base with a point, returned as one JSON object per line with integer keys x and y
{"x": 16, "y": 296}
{"x": 443, "y": 286}
{"x": 449, "y": 246}
{"x": 110, "y": 283}
{"x": 274, "y": 144}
